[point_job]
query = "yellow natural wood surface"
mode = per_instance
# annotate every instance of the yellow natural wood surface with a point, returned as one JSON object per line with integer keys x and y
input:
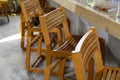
{"x": 2, "y": 2}
{"x": 50, "y": 21}
{"x": 97, "y": 18}
{"x": 30, "y": 10}
{"x": 74, "y": 47}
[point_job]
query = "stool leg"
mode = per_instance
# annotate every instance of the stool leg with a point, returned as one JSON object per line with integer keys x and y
{"x": 7, "y": 16}
{"x": 22, "y": 32}
{"x": 23, "y": 37}
{"x": 28, "y": 54}
{"x": 91, "y": 69}
{"x": 61, "y": 69}
{"x": 48, "y": 67}
{"x": 80, "y": 75}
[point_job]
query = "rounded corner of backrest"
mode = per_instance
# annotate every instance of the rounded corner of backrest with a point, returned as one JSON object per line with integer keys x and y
{"x": 93, "y": 28}
{"x": 62, "y": 6}
{"x": 41, "y": 17}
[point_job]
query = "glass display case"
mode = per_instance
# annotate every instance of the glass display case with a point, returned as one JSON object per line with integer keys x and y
{"x": 105, "y": 19}
{"x": 110, "y": 8}
{"x": 103, "y": 5}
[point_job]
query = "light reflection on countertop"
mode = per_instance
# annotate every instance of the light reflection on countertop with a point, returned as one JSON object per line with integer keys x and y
{"x": 111, "y": 15}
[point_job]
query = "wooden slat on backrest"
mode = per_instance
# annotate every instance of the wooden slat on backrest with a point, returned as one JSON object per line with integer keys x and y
{"x": 30, "y": 7}
{"x": 43, "y": 3}
{"x": 89, "y": 46}
{"x": 88, "y": 50}
{"x": 53, "y": 20}
{"x": 110, "y": 74}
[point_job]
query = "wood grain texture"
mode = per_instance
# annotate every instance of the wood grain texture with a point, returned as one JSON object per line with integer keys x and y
{"x": 30, "y": 10}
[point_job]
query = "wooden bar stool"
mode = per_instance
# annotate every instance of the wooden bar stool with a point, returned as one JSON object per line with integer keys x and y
{"x": 87, "y": 55}
{"x": 30, "y": 10}
{"x": 50, "y": 21}
{"x": 43, "y": 8}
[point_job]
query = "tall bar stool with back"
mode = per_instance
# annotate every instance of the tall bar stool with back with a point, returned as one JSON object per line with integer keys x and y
{"x": 31, "y": 9}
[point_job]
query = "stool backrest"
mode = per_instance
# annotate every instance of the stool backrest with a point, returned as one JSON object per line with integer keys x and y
{"x": 30, "y": 7}
{"x": 53, "y": 19}
{"x": 89, "y": 49}
{"x": 43, "y": 3}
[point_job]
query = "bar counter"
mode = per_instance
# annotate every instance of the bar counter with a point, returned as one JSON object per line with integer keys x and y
{"x": 104, "y": 20}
